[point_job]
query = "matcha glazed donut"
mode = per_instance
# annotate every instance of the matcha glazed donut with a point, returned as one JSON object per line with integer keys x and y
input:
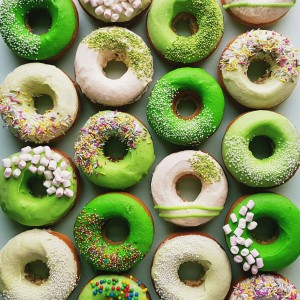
{"x": 17, "y": 35}
{"x": 181, "y": 85}
{"x": 206, "y": 26}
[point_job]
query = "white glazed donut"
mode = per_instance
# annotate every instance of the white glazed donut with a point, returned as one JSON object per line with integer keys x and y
{"x": 268, "y": 46}
{"x": 30, "y": 246}
{"x": 257, "y": 12}
{"x": 191, "y": 247}
{"x": 208, "y": 203}
{"x": 102, "y": 46}
{"x": 17, "y": 102}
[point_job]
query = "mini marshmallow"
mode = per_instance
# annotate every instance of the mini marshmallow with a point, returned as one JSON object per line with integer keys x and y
{"x": 44, "y": 161}
{"x": 57, "y": 157}
{"x": 48, "y": 174}
{"x": 234, "y": 249}
{"x": 117, "y": 8}
{"x": 249, "y": 217}
{"x": 41, "y": 170}
{"x": 248, "y": 242}
{"x": 15, "y": 160}
{"x": 67, "y": 183}
{"x": 259, "y": 263}
{"x": 252, "y": 225}
{"x": 245, "y": 252}
{"x": 66, "y": 175}
{"x": 129, "y": 12}
{"x": 238, "y": 231}
{"x": 136, "y": 4}
{"x": 47, "y": 183}
{"x": 227, "y": 229}
{"x": 233, "y": 218}
{"x": 26, "y": 150}
{"x": 52, "y": 165}
{"x": 108, "y": 2}
{"x": 254, "y": 253}
{"x": 58, "y": 178}
{"x": 238, "y": 259}
{"x": 69, "y": 193}
{"x": 6, "y": 162}
{"x": 242, "y": 223}
{"x": 115, "y": 17}
{"x": 51, "y": 190}
{"x": 233, "y": 240}
{"x": 16, "y": 173}
{"x": 22, "y": 164}
{"x": 57, "y": 171}
{"x": 48, "y": 153}
{"x": 32, "y": 169}
{"x": 243, "y": 210}
{"x": 38, "y": 150}
{"x": 246, "y": 267}
{"x": 250, "y": 259}
{"x": 107, "y": 13}
{"x": 55, "y": 182}
{"x": 250, "y": 204}
{"x": 35, "y": 159}
{"x": 7, "y": 172}
{"x": 63, "y": 165}
{"x": 254, "y": 270}
{"x": 93, "y": 3}
{"x": 26, "y": 157}
{"x": 99, "y": 10}
{"x": 124, "y": 5}
{"x": 240, "y": 240}
{"x": 59, "y": 192}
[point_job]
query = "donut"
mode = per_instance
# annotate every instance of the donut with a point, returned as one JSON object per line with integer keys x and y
{"x": 91, "y": 159}
{"x": 268, "y": 172}
{"x": 186, "y": 84}
{"x": 112, "y": 11}
{"x": 102, "y": 46}
{"x": 16, "y": 31}
{"x": 90, "y": 234}
{"x": 257, "y": 13}
{"x": 208, "y": 204}
{"x": 206, "y": 26}
{"x": 121, "y": 287}
{"x": 270, "y": 286}
{"x": 195, "y": 247}
{"x": 38, "y": 186}
{"x": 257, "y": 254}
{"x": 17, "y": 102}
{"x": 272, "y": 88}
{"x": 19, "y": 282}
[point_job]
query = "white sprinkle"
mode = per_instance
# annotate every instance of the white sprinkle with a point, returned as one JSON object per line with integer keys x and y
{"x": 254, "y": 253}
{"x": 7, "y": 172}
{"x": 246, "y": 267}
{"x": 238, "y": 259}
{"x": 250, "y": 259}
{"x": 15, "y": 159}
{"x": 51, "y": 190}
{"x": 250, "y": 204}
{"x": 6, "y": 162}
{"x": 238, "y": 231}
{"x": 52, "y": 165}
{"x": 67, "y": 183}
{"x": 240, "y": 240}
{"x": 245, "y": 252}
{"x": 44, "y": 161}
{"x": 35, "y": 159}
{"x": 41, "y": 170}
{"x": 26, "y": 150}
{"x": 22, "y": 164}
{"x": 227, "y": 229}
{"x": 233, "y": 218}
{"x": 59, "y": 192}
{"x": 233, "y": 240}
{"x": 47, "y": 183}
{"x": 69, "y": 193}
{"x": 32, "y": 169}
{"x": 252, "y": 225}
{"x": 242, "y": 223}
{"x": 248, "y": 242}
{"x": 259, "y": 263}
{"x": 243, "y": 210}
{"x": 234, "y": 249}
{"x": 16, "y": 173}
{"x": 48, "y": 174}
{"x": 254, "y": 270}
{"x": 38, "y": 150}
{"x": 249, "y": 216}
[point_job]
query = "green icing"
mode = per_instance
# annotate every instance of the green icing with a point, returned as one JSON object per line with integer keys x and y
{"x": 89, "y": 237}
{"x": 32, "y": 46}
{"x": 286, "y": 248}
{"x": 99, "y": 169}
{"x": 245, "y": 4}
{"x": 123, "y": 42}
{"x": 180, "y": 48}
{"x": 19, "y": 204}
{"x": 206, "y": 168}
{"x": 114, "y": 287}
{"x": 267, "y": 172}
{"x": 177, "y": 130}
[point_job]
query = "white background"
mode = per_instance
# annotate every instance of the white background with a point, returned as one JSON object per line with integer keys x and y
{"x": 289, "y": 26}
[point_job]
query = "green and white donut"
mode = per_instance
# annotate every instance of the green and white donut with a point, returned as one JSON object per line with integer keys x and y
{"x": 281, "y": 78}
{"x": 267, "y": 172}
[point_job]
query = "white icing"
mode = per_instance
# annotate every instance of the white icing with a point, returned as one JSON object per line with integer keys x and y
{"x": 30, "y": 246}
{"x": 191, "y": 248}
{"x": 163, "y": 187}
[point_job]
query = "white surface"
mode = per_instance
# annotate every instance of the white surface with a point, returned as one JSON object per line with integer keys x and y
{"x": 288, "y": 26}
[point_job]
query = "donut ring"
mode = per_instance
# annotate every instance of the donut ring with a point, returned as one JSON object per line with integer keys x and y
{"x": 90, "y": 237}
{"x": 113, "y": 43}
{"x": 268, "y": 172}
{"x": 206, "y": 26}
{"x": 17, "y": 106}
{"x": 51, "y": 44}
{"x": 52, "y": 248}
{"x": 271, "y": 255}
{"x": 100, "y": 169}
{"x": 269, "y": 90}
{"x": 190, "y": 247}
{"x": 177, "y": 85}
{"x": 208, "y": 203}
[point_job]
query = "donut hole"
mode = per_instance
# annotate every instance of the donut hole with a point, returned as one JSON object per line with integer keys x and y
{"x": 115, "y": 149}
{"x": 35, "y": 186}
{"x": 115, "y": 69}
{"x": 192, "y": 273}
{"x": 188, "y": 187}
{"x": 185, "y": 24}
{"x": 36, "y": 272}
{"x": 266, "y": 232}
{"x": 258, "y": 71}
{"x": 187, "y": 104}
{"x": 42, "y": 103}
{"x": 261, "y": 147}
{"x": 115, "y": 230}
{"x": 38, "y": 21}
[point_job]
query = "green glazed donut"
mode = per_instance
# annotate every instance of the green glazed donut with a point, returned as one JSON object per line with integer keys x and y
{"x": 100, "y": 169}
{"x": 181, "y": 84}
{"x": 275, "y": 254}
{"x": 94, "y": 245}
{"x": 56, "y": 190}
{"x": 206, "y": 25}
{"x": 267, "y": 172}
{"x": 61, "y": 35}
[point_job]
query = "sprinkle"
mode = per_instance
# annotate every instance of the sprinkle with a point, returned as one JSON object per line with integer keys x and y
{"x": 254, "y": 253}
{"x": 69, "y": 193}
{"x": 15, "y": 160}
{"x": 242, "y": 223}
{"x": 63, "y": 165}
{"x": 248, "y": 242}
{"x": 41, "y": 170}
{"x": 32, "y": 169}
{"x": 6, "y": 163}
{"x": 66, "y": 175}
{"x": 26, "y": 150}
{"x": 245, "y": 252}
{"x": 233, "y": 241}
{"x": 16, "y": 173}
{"x": 250, "y": 259}
{"x": 48, "y": 174}
{"x": 240, "y": 240}
{"x": 38, "y": 150}
{"x": 7, "y": 172}
{"x": 252, "y": 225}
{"x": 234, "y": 249}
{"x": 52, "y": 165}
{"x": 44, "y": 161}
{"x": 238, "y": 231}
{"x": 259, "y": 262}
{"x": 243, "y": 210}
{"x": 227, "y": 229}
{"x": 59, "y": 192}
{"x": 249, "y": 217}
{"x": 66, "y": 183}
{"x": 35, "y": 159}
{"x": 22, "y": 164}
{"x": 246, "y": 267}
{"x": 238, "y": 259}
{"x": 51, "y": 190}
{"x": 233, "y": 218}
{"x": 250, "y": 204}
{"x": 47, "y": 184}
{"x": 57, "y": 157}
{"x": 26, "y": 157}
{"x": 254, "y": 270}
